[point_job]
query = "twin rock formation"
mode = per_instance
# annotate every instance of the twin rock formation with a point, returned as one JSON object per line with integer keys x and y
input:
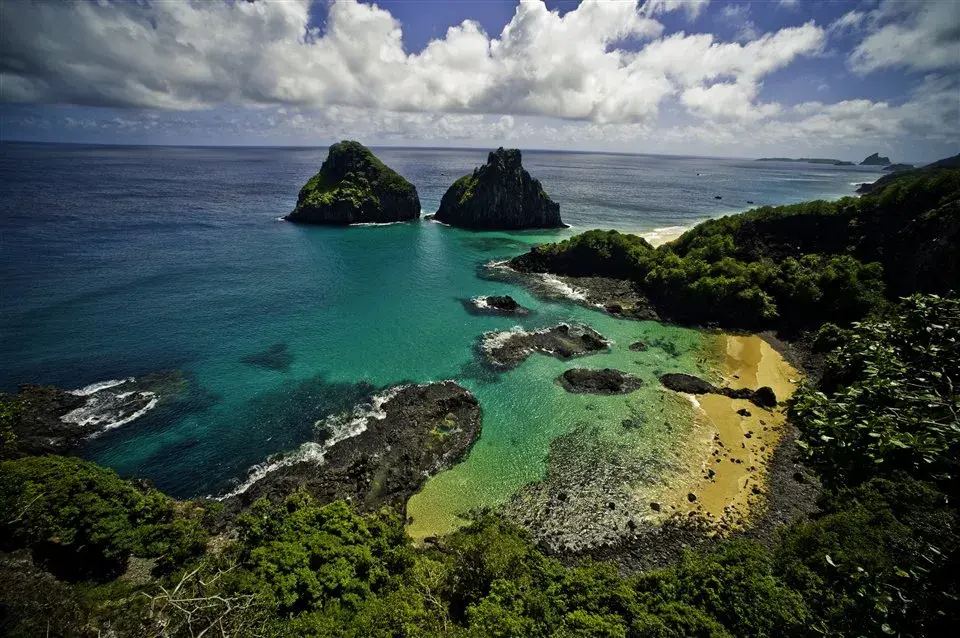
{"x": 354, "y": 187}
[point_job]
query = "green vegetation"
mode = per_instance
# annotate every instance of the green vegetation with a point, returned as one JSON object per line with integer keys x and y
{"x": 881, "y": 430}
{"x": 85, "y": 521}
{"x": 354, "y": 185}
{"x": 787, "y": 266}
{"x": 880, "y": 558}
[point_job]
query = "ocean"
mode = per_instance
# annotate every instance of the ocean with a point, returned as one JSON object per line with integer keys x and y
{"x": 117, "y": 262}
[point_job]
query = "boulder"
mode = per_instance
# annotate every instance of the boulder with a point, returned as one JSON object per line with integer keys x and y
{"x": 605, "y": 381}
{"x": 679, "y": 382}
{"x": 354, "y": 187}
{"x": 499, "y": 195}
{"x": 763, "y": 397}
{"x": 495, "y": 305}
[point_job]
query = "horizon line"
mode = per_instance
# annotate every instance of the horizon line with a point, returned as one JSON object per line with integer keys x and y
{"x": 485, "y": 149}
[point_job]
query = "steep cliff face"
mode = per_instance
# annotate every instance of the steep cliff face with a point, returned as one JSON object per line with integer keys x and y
{"x": 499, "y": 195}
{"x": 354, "y": 187}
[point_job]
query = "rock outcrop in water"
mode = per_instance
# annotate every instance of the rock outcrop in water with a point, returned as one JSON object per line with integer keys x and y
{"x": 605, "y": 381}
{"x": 495, "y": 305}
{"x": 354, "y": 187}
{"x": 499, "y": 195}
{"x": 875, "y": 160}
{"x": 417, "y": 431}
{"x": 505, "y": 350}
{"x": 48, "y": 420}
{"x": 763, "y": 397}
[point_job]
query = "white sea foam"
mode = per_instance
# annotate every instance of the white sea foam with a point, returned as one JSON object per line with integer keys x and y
{"x": 100, "y": 385}
{"x": 563, "y": 289}
{"x": 480, "y": 302}
{"x": 404, "y": 221}
{"x": 306, "y": 453}
{"x": 105, "y": 411}
{"x": 340, "y": 428}
{"x": 496, "y": 339}
{"x": 498, "y": 264}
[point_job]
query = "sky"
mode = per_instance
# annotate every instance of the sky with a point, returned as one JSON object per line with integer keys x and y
{"x": 697, "y": 77}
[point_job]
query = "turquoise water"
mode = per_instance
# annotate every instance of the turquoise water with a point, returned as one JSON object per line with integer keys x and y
{"x": 117, "y": 262}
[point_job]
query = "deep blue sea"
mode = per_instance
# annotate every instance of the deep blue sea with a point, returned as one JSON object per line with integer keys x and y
{"x": 120, "y": 261}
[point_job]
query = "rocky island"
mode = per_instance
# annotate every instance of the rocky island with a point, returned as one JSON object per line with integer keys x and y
{"x": 354, "y": 187}
{"x": 605, "y": 381}
{"x": 499, "y": 195}
{"x": 875, "y": 160}
{"x": 495, "y": 305}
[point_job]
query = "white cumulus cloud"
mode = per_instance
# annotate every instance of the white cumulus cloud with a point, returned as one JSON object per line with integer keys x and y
{"x": 178, "y": 55}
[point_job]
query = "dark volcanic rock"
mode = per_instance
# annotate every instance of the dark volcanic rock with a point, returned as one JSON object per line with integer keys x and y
{"x": 875, "y": 160}
{"x": 638, "y": 346}
{"x": 48, "y": 420}
{"x": 275, "y": 358}
{"x": 504, "y": 302}
{"x": 415, "y": 432}
{"x": 763, "y": 397}
{"x": 679, "y": 382}
{"x": 509, "y": 349}
{"x": 354, "y": 187}
{"x": 605, "y": 381}
{"x": 499, "y": 194}
{"x": 495, "y": 305}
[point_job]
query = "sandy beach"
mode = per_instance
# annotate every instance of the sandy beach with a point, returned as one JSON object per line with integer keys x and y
{"x": 733, "y": 440}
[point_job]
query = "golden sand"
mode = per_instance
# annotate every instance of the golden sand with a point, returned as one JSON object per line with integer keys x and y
{"x": 728, "y": 453}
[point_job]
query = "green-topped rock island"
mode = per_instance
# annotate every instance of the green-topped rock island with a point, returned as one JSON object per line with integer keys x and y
{"x": 354, "y": 187}
{"x": 500, "y": 195}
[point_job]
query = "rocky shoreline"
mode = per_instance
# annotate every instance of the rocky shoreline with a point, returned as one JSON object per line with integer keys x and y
{"x": 381, "y": 453}
{"x": 508, "y": 349}
{"x": 49, "y": 420}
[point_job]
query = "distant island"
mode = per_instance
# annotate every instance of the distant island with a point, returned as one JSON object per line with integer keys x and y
{"x": 875, "y": 160}
{"x": 807, "y": 160}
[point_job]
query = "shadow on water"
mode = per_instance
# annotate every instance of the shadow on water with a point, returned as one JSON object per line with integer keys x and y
{"x": 504, "y": 245}
{"x": 276, "y": 358}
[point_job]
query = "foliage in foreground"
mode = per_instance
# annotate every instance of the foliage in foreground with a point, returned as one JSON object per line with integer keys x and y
{"x": 880, "y": 558}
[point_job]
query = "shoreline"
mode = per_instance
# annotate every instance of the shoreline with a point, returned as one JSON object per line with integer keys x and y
{"x": 733, "y": 440}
